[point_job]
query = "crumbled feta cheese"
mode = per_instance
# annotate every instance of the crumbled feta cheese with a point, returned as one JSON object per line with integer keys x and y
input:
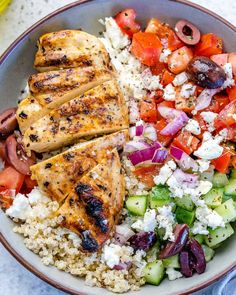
{"x": 164, "y": 55}
{"x": 165, "y": 172}
{"x": 229, "y": 82}
{"x": 199, "y": 228}
{"x": 209, "y": 118}
{"x": 35, "y": 196}
{"x": 114, "y": 254}
{"x": 148, "y": 223}
{"x": 173, "y": 274}
{"x": 193, "y": 127}
{"x": 169, "y": 93}
{"x": 208, "y": 217}
{"x": 203, "y": 165}
{"x": 20, "y": 207}
{"x": 180, "y": 79}
{"x": 165, "y": 219}
{"x": 150, "y": 82}
{"x": 187, "y": 90}
{"x": 210, "y": 148}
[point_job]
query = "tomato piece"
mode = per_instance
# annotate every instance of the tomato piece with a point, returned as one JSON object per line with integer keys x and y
{"x": 167, "y": 78}
{"x": 186, "y": 142}
{"x": 232, "y": 60}
{"x": 209, "y": 45}
{"x": 28, "y": 185}
{"x": 227, "y": 115}
{"x": 158, "y": 68}
{"x": 6, "y": 198}
{"x": 220, "y": 59}
{"x": 223, "y": 162}
{"x": 159, "y": 96}
{"x": 218, "y": 102}
{"x": 184, "y": 104}
{"x": 126, "y": 21}
{"x": 11, "y": 179}
{"x": 201, "y": 123}
{"x": 146, "y": 174}
{"x": 165, "y": 140}
{"x": 231, "y": 92}
{"x": 179, "y": 59}
{"x": 146, "y": 47}
{"x": 148, "y": 111}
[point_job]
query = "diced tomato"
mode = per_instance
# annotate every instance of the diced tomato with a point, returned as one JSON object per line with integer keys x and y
{"x": 148, "y": 110}
{"x": 186, "y": 142}
{"x": 165, "y": 34}
{"x": 201, "y": 123}
{"x": 232, "y": 60}
{"x": 126, "y": 21}
{"x": 158, "y": 68}
{"x": 209, "y": 45}
{"x": 11, "y": 179}
{"x": 159, "y": 96}
{"x": 6, "y": 198}
{"x": 184, "y": 104}
{"x": 28, "y": 185}
{"x": 223, "y": 162}
{"x": 146, "y": 47}
{"x": 218, "y": 102}
{"x": 146, "y": 174}
{"x": 167, "y": 78}
{"x": 220, "y": 59}
{"x": 164, "y": 139}
{"x": 226, "y": 117}
{"x": 231, "y": 92}
{"x": 179, "y": 59}
{"x": 231, "y": 133}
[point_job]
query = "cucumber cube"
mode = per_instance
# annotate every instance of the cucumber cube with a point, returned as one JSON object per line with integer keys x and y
{"x": 214, "y": 197}
{"x": 172, "y": 261}
{"x": 159, "y": 197}
{"x": 185, "y": 202}
{"x": 227, "y": 210}
{"x": 220, "y": 179}
{"x": 184, "y": 216}
{"x": 208, "y": 252}
{"x": 230, "y": 188}
{"x": 218, "y": 235}
{"x": 233, "y": 174}
{"x": 154, "y": 272}
{"x": 137, "y": 205}
{"x": 199, "y": 238}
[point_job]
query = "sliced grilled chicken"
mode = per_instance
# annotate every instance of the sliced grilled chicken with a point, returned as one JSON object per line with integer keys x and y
{"x": 100, "y": 110}
{"x": 91, "y": 209}
{"x": 58, "y": 175}
{"x": 69, "y": 49}
{"x": 50, "y": 90}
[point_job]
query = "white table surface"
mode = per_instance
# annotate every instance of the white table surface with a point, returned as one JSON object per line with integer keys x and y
{"x": 14, "y": 279}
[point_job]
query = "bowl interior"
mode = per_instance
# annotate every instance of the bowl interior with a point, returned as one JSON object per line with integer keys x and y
{"x": 18, "y": 65}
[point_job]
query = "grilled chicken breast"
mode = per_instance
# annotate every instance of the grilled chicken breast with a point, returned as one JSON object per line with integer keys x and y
{"x": 100, "y": 110}
{"x": 50, "y": 90}
{"x": 91, "y": 210}
{"x": 69, "y": 49}
{"x": 57, "y": 176}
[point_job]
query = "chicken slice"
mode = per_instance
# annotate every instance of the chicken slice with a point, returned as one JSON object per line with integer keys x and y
{"x": 100, "y": 110}
{"x": 50, "y": 90}
{"x": 91, "y": 210}
{"x": 57, "y": 176}
{"x": 70, "y": 49}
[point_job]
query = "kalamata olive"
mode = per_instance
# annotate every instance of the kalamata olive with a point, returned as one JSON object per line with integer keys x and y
{"x": 206, "y": 73}
{"x": 8, "y": 122}
{"x": 17, "y": 157}
{"x": 185, "y": 267}
{"x": 199, "y": 261}
{"x": 187, "y": 32}
{"x": 181, "y": 234}
{"x": 143, "y": 240}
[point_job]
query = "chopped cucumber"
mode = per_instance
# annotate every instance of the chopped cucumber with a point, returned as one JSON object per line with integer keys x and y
{"x": 154, "y": 272}
{"x": 184, "y": 216}
{"x": 226, "y": 198}
{"x": 185, "y": 202}
{"x": 220, "y": 179}
{"x": 214, "y": 197}
{"x": 208, "y": 252}
{"x": 218, "y": 235}
{"x": 153, "y": 253}
{"x": 137, "y": 205}
{"x": 233, "y": 174}
{"x": 159, "y": 197}
{"x": 172, "y": 261}
{"x": 227, "y": 210}
{"x": 199, "y": 238}
{"x": 230, "y": 188}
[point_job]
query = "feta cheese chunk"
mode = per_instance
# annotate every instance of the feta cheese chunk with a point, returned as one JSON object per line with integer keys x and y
{"x": 166, "y": 220}
{"x": 164, "y": 55}
{"x": 209, "y": 218}
{"x": 148, "y": 223}
{"x": 199, "y": 228}
{"x": 187, "y": 90}
{"x": 169, "y": 93}
{"x": 165, "y": 172}
{"x": 229, "y": 82}
{"x": 193, "y": 127}
{"x": 114, "y": 254}
{"x": 209, "y": 118}
{"x": 20, "y": 207}
{"x": 203, "y": 165}
{"x": 173, "y": 274}
{"x": 180, "y": 79}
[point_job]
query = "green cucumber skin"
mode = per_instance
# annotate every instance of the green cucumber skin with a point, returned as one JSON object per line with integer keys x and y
{"x": 172, "y": 261}
{"x": 208, "y": 252}
{"x": 154, "y": 272}
{"x": 185, "y": 202}
{"x": 227, "y": 211}
{"x": 137, "y": 205}
{"x": 159, "y": 197}
{"x": 184, "y": 216}
{"x": 218, "y": 235}
{"x": 199, "y": 238}
{"x": 230, "y": 188}
{"x": 214, "y": 197}
{"x": 220, "y": 180}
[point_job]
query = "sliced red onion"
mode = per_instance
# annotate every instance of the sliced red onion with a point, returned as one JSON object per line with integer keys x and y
{"x": 184, "y": 160}
{"x": 156, "y": 144}
{"x": 204, "y": 99}
{"x": 150, "y": 133}
{"x": 168, "y": 113}
{"x": 190, "y": 180}
{"x": 159, "y": 156}
{"x": 132, "y": 146}
{"x": 123, "y": 266}
{"x": 139, "y": 130}
{"x": 138, "y": 157}
{"x": 123, "y": 233}
{"x": 175, "y": 125}
{"x": 176, "y": 152}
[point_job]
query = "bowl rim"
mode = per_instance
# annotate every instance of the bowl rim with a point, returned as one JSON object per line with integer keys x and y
{"x": 6, "y": 244}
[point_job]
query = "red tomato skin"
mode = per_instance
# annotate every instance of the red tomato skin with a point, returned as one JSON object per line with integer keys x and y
{"x": 226, "y": 116}
{"x": 146, "y": 174}
{"x": 148, "y": 111}
{"x": 209, "y": 45}
{"x": 179, "y": 59}
{"x": 165, "y": 140}
{"x": 126, "y": 21}
{"x": 186, "y": 142}
{"x": 11, "y": 179}
{"x": 218, "y": 103}
{"x": 223, "y": 162}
